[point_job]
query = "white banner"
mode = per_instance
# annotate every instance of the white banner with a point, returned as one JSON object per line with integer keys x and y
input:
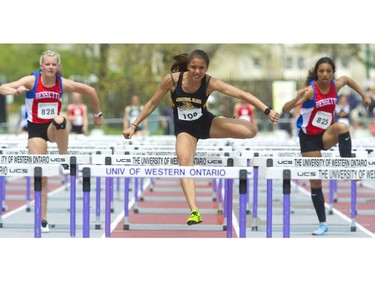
{"x": 167, "y": 172}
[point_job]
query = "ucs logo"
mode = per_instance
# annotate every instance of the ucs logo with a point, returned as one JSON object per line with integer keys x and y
{"x": 306, "y": 174}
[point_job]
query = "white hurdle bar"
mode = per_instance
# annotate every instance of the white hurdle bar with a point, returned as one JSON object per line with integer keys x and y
{"x": 168, "y": 160}
{"x": 229, "y": 173}
{"x": 308, "y": 173}
{"x": 222, "y": 161}
{"x": 295, "y": 159}
{"x": 69, "y": 165}
{"x": 37, "y": 171}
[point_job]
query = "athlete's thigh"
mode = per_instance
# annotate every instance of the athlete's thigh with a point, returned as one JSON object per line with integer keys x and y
{"x": 186, "y": 146}
{"x": 37, "y": 146}
{"x": 231, "y": 128}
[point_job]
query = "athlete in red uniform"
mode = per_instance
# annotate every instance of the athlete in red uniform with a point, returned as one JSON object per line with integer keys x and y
{"x": 318, "y": 131}
{"x": 245, "y": 111}
{"x": 43, "y": 89}
{"x": 76, "y": 113}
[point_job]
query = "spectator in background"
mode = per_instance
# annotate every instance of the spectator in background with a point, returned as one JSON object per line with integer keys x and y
{"x": 22, "y": 120}
{"x": 358, "y": 116}
{"x": 371, "y": 94}
{"x": 131, "y": 112}
{"x": 286, "y": 123}
{"x": 371, "y": 110}
{"x": 342, "y": 110}
{"x": 244, "y": 110}
{"x": 167, "y": 120}
{"x": 76, "y": 113}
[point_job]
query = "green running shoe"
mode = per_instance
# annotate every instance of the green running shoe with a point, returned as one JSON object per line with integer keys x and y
{"x": 195, "y": 218}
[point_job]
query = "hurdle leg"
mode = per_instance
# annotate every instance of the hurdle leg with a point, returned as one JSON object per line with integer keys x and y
{"x": 248, "y": 198}
{"x": 214, "y": 189}
{"x": 107, "y": 228}
{"x": 126, "y": 204}
{"x": 73, "y": 196}
{"x": 2, "y": 197}
{"x": 229, "y": 208}
{"x": 86, "y": 188}
{"x": 335, "y": 199}
{"x": 353, "y": 205}
{"x": 269, "y": 209}
{"x": 225, "y": 195}
{"x": 38, "y": 202}
{"x": 97, "y": 203}
{"x": 152, "y": 184}
{"x": 112, "y": 195}
{"x": 243, "y": 191}
{"x": 28, "y": 194}
{"x": 141, "y": 197}
{"x": 73, "y": 206}
{"x": 118, "y": 188}
{"x": 286, "y": 203}
{"x": 248, "y": 192}
{"x": 220, "y": 197}
{"x": 254, "y": 226}
{"x": 1, "y": 201}
{"x": 331, "y": 196}
{"x": 135, "y": 195}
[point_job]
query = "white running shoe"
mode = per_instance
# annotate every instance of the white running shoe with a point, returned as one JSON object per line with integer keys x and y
{"x": 45, "y": 226}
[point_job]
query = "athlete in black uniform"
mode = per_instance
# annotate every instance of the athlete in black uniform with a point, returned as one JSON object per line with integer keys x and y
{"x": 190, "y": 88}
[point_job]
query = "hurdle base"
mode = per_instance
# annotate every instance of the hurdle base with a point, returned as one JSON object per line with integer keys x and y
{"x": 353, "y": 228}
{"x": 175, "y": 227}
{"x": 171, "y": 211}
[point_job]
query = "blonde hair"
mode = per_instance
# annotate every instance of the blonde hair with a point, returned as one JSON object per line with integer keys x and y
{"x": 50, "y": 53}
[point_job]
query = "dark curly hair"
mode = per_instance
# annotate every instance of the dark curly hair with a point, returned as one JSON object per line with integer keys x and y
{"x": 181, "y": 61}
{"x": 313, "y": 73}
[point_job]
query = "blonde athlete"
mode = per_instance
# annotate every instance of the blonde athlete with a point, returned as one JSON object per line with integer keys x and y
{"x": 43, "y": 90}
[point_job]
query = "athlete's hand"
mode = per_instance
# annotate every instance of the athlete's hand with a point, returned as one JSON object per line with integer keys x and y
{"x": 367, "y": 101}
{"x": 274, "y": 117}
{"x": 98, "y": 121}
{"x": 301, "y": 93}
{"x": 21, "y": 90}
{"x": 129, "y": 132}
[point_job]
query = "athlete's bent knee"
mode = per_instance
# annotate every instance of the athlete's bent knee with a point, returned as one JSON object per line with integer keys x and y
{"x": 59, "y": 126}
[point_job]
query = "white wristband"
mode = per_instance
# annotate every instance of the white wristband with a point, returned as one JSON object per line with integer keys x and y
{"x": 99, "y": 114}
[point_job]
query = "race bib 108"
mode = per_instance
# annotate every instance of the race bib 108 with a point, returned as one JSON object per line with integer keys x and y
{"x": 189, "y": 114}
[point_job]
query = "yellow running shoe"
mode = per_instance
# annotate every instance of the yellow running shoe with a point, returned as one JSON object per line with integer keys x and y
{"x": 195, "y": 218}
